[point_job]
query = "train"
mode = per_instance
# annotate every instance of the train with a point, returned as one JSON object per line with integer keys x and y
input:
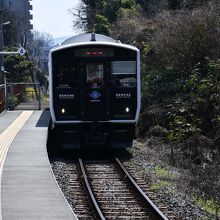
{"x": 95, "y": 92}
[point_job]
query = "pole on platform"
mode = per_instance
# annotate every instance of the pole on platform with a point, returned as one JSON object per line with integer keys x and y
{"x": 39, "y": 98}
{"x": 6, "y": 95}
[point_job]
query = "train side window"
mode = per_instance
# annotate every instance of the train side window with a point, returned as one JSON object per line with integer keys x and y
{"x": 123, "y": 67}
{"x": 94, "y": 75}
{"x": 124, "y": 74}
{"x": 124, "y": 81}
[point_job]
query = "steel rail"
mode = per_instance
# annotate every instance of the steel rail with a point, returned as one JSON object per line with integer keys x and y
{"x": 90, "y": 190}
{"x": 144, "y": 196}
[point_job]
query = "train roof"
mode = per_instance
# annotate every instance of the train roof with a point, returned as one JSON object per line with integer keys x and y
{"x": 88, "y": 38}
{"x": 91, "y": 39}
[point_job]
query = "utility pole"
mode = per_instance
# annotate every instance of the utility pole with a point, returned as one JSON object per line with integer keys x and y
{"x": 1, "y": 43}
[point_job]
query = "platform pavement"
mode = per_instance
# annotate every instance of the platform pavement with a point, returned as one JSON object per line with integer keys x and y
{"x": 6, "y": 118}
{"x": 29, "y": 190}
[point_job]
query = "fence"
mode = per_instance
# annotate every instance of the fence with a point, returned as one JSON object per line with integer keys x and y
{"x": 23, "y": 96}
{"x": 2, "y": 98}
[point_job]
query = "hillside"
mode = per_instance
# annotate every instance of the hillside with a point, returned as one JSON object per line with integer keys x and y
{"x": 180, "y": 48}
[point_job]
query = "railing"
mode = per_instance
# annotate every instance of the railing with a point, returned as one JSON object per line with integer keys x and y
{"x": 27, "y": 95}
{"x": 2, "y": 98}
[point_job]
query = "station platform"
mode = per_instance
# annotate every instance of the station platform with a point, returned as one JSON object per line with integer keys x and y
{"x": 28, "y": 187}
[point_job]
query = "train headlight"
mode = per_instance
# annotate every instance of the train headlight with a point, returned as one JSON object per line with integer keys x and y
{"x": 63, "y": 110}
{"x": 127, "y": 109}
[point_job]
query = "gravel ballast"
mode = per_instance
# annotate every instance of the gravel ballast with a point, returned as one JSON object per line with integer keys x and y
{"x": 168, "y": 182}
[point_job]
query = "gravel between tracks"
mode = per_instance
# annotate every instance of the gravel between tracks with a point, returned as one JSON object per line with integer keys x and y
{"x": 63, "y": 178}
{"x": 169, "y": 185}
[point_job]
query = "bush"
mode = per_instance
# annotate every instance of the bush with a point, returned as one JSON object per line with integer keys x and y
{"x": 206, "y": 181}
{"x": 158, "y": 131}
{"x": 186, "y": 38}
{"x": 12, "y": 102}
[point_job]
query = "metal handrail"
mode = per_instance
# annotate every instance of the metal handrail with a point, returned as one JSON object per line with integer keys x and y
{"x": 21, "y": 83}
{"x": 37, "y": 85}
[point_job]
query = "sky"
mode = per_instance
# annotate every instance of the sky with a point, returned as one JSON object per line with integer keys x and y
{"x": 53, "y": 17}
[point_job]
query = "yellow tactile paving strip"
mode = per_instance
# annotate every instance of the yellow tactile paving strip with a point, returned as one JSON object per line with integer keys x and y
{"x": 9, "y": 134}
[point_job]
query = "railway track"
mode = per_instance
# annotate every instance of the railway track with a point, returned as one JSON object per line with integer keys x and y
{"x": 111, "y": 192}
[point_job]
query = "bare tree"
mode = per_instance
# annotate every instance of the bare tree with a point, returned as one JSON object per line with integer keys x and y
{"x": 188, "y": 37}
{"x": 80, "y": 16}
{"x": 128, "y": 29}
{"x": 35, "y": 48}
{"x": 85, "y": 15}
{"x": 40, "y": 40}
{"x": 153, "y": 7}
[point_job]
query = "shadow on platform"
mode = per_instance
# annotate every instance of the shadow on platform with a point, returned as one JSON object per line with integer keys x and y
{"x": 44, "y": 119}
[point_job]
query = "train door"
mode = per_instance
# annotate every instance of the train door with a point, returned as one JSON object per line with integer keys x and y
{"x": 94, "y": 76}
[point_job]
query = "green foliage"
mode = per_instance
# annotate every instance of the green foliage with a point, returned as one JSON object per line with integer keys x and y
{"x": 203, "y": 90}
{"x": 41, "y": 78}
{"x": 181, "y": 74}
{"x": 163, "y": 173}
{"x": 102, "y": 25}
{"x": 99, "y": 15}
{"x": 180, "y": 66}
{"x": 162, "y": 83}
{"x": 152, "y": 122}
{"x": 191, "y": 105}
{"x": 181, "y": 131}
{"x": 209, "y": 206}
{"x": 114, "y": 9}
{"x": 158, "y": 131}
{"x": 207, "y": 188}
{"x": 159, "y": 185}
{"x": 12, "y": 102}
{"x": 179, "y": 43}
{"x": 126, "y": 12}
{"x": 19, "y": 68}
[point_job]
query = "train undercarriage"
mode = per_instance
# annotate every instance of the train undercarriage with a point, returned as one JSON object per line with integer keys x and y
{"x": 77, "y": 136}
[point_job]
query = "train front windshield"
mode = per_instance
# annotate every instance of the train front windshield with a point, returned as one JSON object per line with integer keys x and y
{"x": 94, "y": 83}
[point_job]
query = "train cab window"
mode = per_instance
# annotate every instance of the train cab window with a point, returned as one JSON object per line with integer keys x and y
{"x": 67, "y": 74}
{"x": 94, "y": 75}
{"x": 123, "y": 67}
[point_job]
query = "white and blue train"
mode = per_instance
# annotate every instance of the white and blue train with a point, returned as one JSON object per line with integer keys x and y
{"x": 95, "y": 94}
